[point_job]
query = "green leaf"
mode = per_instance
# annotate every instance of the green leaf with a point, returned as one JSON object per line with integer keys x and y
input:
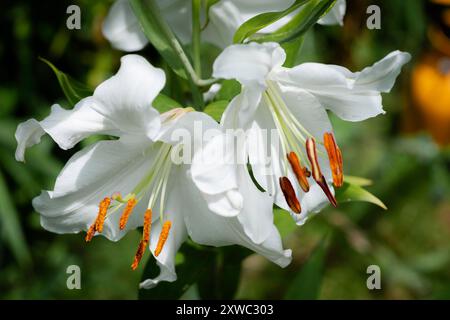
{"x": 299, "y": 24}
{"x": 163, "y": 103}
{"x": 352, "y": 192}
{"x": 11, "y": 228}
{"x": 163, "y": 39}
{"x": 216, "y": 109}
{"x": 284, "y": 222}
{"x": 362, "y": 182}
{"x": 73, "y": 90}
{"x": 292, "y": 48}
{"x": 207, "y": 4}
{"x": 196, "y": 264}
{"x": 263, "y": 20}
{"x": 222, "y": 279}
{"x": 159, "y": 34}
{"x": 229, "y": 89}
{"x": 306, "y": 285}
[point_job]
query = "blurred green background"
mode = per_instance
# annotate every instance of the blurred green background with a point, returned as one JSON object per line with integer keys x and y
{"x": 398, "y": 151}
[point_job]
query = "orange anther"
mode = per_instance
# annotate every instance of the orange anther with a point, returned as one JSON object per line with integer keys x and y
{"x": 335, "y": 158}
{"x": 126, "y": 213}
{"x": 147, "y": 225}
{"x": 163, "y": 237}
{"x": 299, "y": 171}
{"x": 139, "y": 254}
{"x": 102, "y": 210}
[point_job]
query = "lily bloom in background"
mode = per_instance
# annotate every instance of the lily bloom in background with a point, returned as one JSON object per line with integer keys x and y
{"x": 123, "y": 31}
{"x": 114, "y": 186}
{"x": 305, "y": 160}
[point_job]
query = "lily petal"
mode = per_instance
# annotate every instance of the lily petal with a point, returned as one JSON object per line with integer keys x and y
{"x": 250, "y": 63}
{"x": 66, "y": 127}
{"x": 122, "y": 29}
{"x": 126, "y": 98}
{"x": 351, "y": 96}
{"x": 214, "y": 230}
{"x": 97, "y": 171}
{"x": 177, "y": 235}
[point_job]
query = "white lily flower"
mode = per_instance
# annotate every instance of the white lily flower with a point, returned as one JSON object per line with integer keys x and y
{"x": 122, "y": 28}
{"x": 134, "y": 176}
{"x": 293, "y": 104}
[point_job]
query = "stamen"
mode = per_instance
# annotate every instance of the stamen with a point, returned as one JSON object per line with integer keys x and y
{"x": 312, "y": 156}
{"x": 147, "y": 225}
{"x": 139, "y": 254}
{"x": 102, "y": 209}
{"x": 289, "y": 195}
{"x": 163, "y": 237}
{"x": 335, "y": 158}
{"x": 316, "y": 173}
{"x": 127, "y": 212}
{"x": 97, "y": 226}
{"x": 299, "y": 171}
{"x": 90, "y": 233}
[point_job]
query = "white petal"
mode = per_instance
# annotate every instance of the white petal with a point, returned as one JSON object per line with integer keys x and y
{"x": 352, "y": 96}
{"x": 249, "y": 63}
{"x": 269, "y": 161}
{"x": 28, "y": 134}
{"x": 122, "y": 29}
{"x": 214, "y": 168}
{"x": 66, "y": 127}
{"x": 90, "y": 175}
{"x": 126, "y": 98}
{"x": 335, "y": 15}
{"x": 207, "y": 228}
{"x": 177, "y": 235}
{"x": 241, "y": 110}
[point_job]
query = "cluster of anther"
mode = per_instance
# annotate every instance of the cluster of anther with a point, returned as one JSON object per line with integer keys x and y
{"x": 131, "y": 203}
{"x": 302, "y": 173}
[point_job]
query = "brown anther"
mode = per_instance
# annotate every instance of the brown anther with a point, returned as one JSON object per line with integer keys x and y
{"x": 289, "y": 195}
{"x": 139, "y": 254}
{"x": 335, "y": 158}
{"x": 126, "y": 213}
{"x": 90, "y": 233}
{"x": 316, "y": 173}
{"x": 102, "y": 210}
{"x": 300, "y": 172}
{"x": 163, "y": 237}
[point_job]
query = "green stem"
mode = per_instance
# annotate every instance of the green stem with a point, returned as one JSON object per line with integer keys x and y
{"x": 196, "y": 37}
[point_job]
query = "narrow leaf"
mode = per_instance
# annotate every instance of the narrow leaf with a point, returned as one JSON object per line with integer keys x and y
{"x": 352, "y": 192}
{"x": 263, "y": 20}
{"x": 73, "y": 90}
{"x": 306, "y": 285}
{"x": 12, "y": 230}
{"x": 195, "y": 265}
{"x": 159, "y": 34}
{"x": 299, "y": 24}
